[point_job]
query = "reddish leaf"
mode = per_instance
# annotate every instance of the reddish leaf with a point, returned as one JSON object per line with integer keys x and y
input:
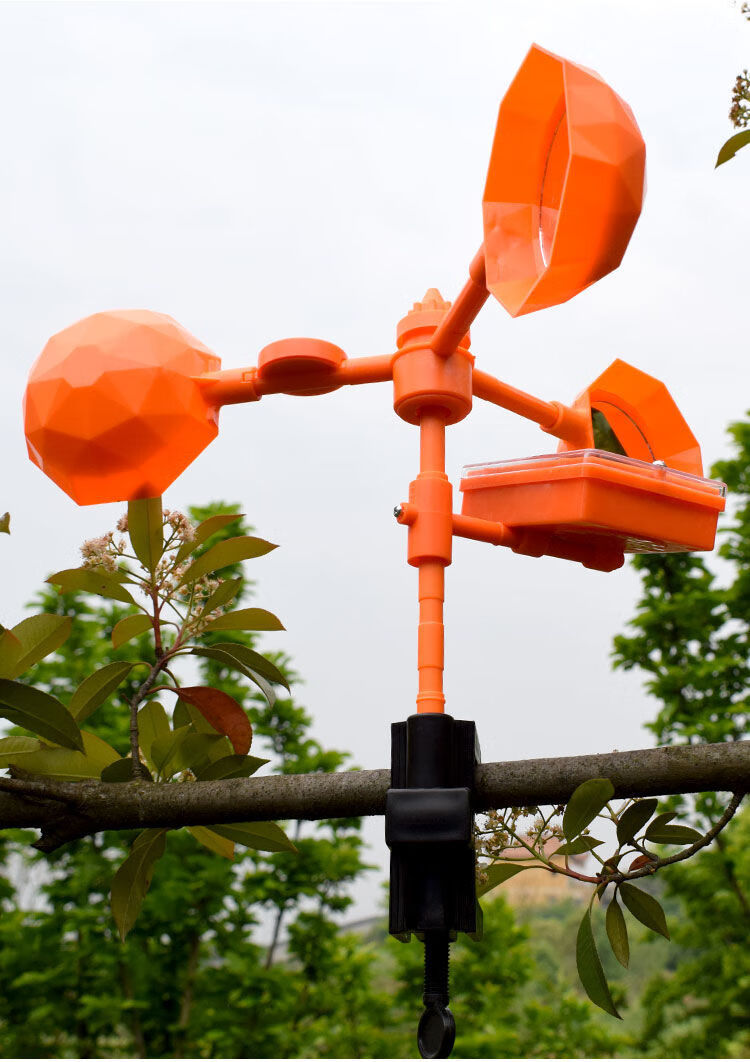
{"x": 641, "y": 861}
{"x": 222, "y": 712}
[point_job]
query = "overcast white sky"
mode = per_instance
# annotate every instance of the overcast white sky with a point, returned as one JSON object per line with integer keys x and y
{"x": 268, "y": 170}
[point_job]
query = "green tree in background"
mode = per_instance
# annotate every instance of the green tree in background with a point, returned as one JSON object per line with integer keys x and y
{"x": 701, "y": 1009}
{"x": 691, "y": 637}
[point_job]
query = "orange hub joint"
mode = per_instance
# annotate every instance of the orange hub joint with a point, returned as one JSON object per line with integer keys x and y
{"x": 424, "y": 379}
{"x": 431, "y": 531}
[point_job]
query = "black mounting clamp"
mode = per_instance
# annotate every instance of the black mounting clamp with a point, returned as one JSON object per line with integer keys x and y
{"x": 429, "y": 829}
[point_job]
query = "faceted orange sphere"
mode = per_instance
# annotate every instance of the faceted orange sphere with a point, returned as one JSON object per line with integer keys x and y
{"x": 564, "y": 187}
{"x": 113, "y": 410}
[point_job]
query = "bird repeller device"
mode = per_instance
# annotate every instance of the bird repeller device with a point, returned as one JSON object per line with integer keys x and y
{"x": 119, "y": 404}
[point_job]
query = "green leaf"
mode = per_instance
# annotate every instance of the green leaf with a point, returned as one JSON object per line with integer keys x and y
{"x": 183, "y": 749}
{"x": 91, "y": 581}
{"x": 585, "y": 804}
{"x": 204, "y": 531}
{"x": 122, "y": 771}
{"x": 220, "y": 655}
{"x": 164, "y": 751}
{"x": 579, "y": 846}
{"x": 223, "y": 594}
{"x": 13, "y": 747}
{"x": 213, "y": 841}
{"x": 195, "y": 751}
{"x": 265, "y": 836}
{"x": 39, "y": 712}
{"x": 645, "y": 907}
{"x": 153, "y": 723}
{"x": 673, "y": 835}
{"x": 497, "y": 874}
{"x": 730, "y": 148}
{"x": 181, "y": 715}
{"x": 67, "y": 765}
{"x": 131, "y": 882}
{"x": 230, "y": 551}
{"x": 130, "y": 627}
{"x": 146, "y": 531}
{"x": 254, "y": 662}
{"x": 186, "y": 714}
{"x": 95, "y": 689}
{"x": 634, "y": 818}
{"x": 590, "y": 968}
{"x": 5, "y": 523}
{"x": 10, "y": 652}
{"x": 662, "y": 820}
{"x": 265, "y": 687}
{"x": 604, "y": 435}
{"x": 246, "y": 619}
{"x": 617, "y": 932}
{"x": 229, "y": 659}
{"x": 37, "y": 637}
{"x": 230, "y": 767}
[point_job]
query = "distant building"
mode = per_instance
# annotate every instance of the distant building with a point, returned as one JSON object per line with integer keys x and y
{"x": 537, "y": 886}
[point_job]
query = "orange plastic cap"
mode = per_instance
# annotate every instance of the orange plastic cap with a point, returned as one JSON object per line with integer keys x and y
{"x": 644, "y": 417}
{"x": 423, "y": 379}
{"x": 565, "y": 184}
{"x": 112, "y": 408}
{"x": 287, "y": 361}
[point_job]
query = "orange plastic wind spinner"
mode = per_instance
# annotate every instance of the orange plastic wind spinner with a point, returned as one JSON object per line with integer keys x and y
{"x": 120, "y": 403}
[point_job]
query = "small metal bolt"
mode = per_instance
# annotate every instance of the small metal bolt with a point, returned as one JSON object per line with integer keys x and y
{"x": 398, "y": 510}
{"x": 660, "y": 464}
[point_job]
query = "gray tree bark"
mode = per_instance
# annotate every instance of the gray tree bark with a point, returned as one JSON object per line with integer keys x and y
{"x": 66, "y": 810}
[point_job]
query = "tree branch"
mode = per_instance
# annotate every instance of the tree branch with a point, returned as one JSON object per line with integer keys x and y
{"x": 686, "y": 853}
{"x": 67, "y": 810}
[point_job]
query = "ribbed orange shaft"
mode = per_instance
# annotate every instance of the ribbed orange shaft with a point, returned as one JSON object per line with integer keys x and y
{"x": 431, "y": 631}
{"x": 431, "y": 637}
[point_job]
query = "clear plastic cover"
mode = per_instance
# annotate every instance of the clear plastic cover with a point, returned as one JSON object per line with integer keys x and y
{"x": 656, "y": 470}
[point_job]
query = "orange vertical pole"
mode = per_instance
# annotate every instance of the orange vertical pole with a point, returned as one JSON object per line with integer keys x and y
{"x": 431, "y": 631}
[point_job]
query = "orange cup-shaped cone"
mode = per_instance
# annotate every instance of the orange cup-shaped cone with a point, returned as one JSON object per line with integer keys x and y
{"x": 112, "y": 409}
{"x": 564, "y": 187}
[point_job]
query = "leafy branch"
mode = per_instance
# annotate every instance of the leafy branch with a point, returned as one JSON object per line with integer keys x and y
{"x": 166, "y": 570}
{"x": 555, "y": 837}
{"x": 739, "y": 112}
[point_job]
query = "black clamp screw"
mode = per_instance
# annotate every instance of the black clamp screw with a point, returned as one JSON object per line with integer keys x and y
{"x": 429, "y": 829}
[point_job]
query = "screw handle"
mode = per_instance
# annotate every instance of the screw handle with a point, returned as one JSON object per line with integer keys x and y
{"x": 436, "y": 1033}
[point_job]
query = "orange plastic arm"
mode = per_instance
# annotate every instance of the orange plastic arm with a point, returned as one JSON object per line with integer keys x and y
{"x": 231, "y": 386}
{"x": 464, "y": 310}
{"x": 552, "y": 417}
{"x": 484, "y": 530}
